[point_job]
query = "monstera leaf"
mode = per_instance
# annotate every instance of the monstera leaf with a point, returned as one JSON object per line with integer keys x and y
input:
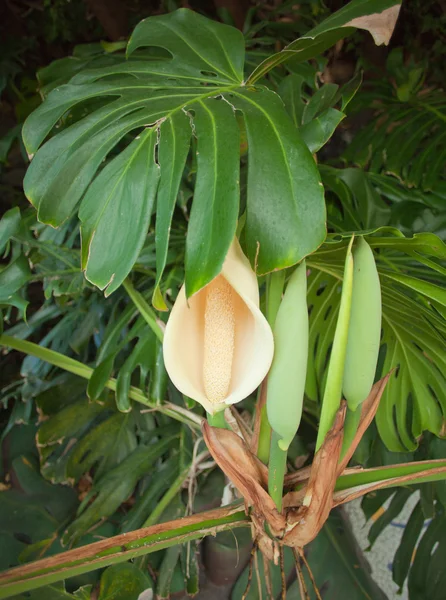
{"x": 413, "y": 330}
{"x": 197, "y": 90}
{"x": 183, "y": 83}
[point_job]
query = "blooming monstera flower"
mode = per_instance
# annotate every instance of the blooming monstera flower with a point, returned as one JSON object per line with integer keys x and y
{"x": 218, "y": 346}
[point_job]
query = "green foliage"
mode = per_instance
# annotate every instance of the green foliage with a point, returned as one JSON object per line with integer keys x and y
{"x": 413, "y": 331}
{"x": 123, "y": 582}
{"x": 406, "y": 136}
{"x": 163, "y": 91}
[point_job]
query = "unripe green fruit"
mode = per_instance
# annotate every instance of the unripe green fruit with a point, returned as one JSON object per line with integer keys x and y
{"x": 286, "y": 379}
{"x": 364, "y": 332}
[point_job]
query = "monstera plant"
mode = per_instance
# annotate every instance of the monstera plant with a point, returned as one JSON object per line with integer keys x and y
{"x": 231, "y": 261}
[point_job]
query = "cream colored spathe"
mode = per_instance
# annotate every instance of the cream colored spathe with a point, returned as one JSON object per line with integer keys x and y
{"x": 218, "y": 347}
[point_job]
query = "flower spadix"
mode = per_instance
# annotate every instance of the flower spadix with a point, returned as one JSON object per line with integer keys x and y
{"x": 218, "y": 346}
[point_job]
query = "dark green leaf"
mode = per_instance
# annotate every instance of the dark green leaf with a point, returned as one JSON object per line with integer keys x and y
{"x": 6, "y": 142}
{"x": 115, "y": 486}
{"x": 403, "y": 556}
{"x": 173, "y": 149}
{"x": 100, "y": 376}
{"x": 282, "y": 180}
{"x": 115, "y": 213}
{"x": 123, "y": 582}
{"x": 13, "y": 277}
{"x": 322, "y": 99}
{"x": 437, "y": 449}
{"x": 190, "y": 567}
{"x": 165, "y": 476}
{"x": 143, "y": 356}
{"x": 395, "y": 507}
{"x": 213, "y": 218}
{"x": 317, "y": 132}
{"x": 9, "y": 226}
{"x": 159, "y": 378}
{"x": 290, "y": 90}
{"x": 58, "y": 433}
{"x": 110, "y": 441}
{"x": 420, "y": 573}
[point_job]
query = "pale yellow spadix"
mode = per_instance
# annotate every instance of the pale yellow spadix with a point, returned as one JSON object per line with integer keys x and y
{"x": 218, "y": 346}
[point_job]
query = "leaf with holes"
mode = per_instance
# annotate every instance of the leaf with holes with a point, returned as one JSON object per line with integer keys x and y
{"x": 120, "y": 134}
{"x": 413, "y": 336}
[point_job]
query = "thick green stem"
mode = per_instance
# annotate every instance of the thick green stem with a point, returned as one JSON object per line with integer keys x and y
{"x": 276, "y": 470}
{"x": 217, "y": 420}
{"x": 335, "y": 374}
{"x": 274, "y": 290}
{"x": 264, "y": 436}
{"x": 74, "y": 366}
{"x": 351, "y": 423}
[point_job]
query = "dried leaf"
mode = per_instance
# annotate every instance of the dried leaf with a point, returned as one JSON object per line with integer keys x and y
{"x": 305, "y": 522}
{"x": 247, "y": 473}
{"x": 380, "y": 25}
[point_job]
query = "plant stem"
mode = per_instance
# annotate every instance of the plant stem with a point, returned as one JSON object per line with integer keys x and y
{"x": 170, "y": 495}
{"x": 74, "y": 366}
{"x": 217, "y": 420}
{"x": 352, "y": 418}
{"x": 274, "y": 290}
{"x": 144, "y": 308}
{"x": 264, "y": 436}
{"x": 120, "y": 548}
{"x": 276, "y": 470}
{"x": 335, "y": 373}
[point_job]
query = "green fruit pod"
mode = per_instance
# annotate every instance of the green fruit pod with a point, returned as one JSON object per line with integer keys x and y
{"x": 286, "y": 379}
{"x": 365, "y": 327}
{"x": 335, "y": 372}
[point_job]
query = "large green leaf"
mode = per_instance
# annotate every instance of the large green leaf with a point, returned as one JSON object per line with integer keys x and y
{"x": 413, "y": 337}
{"x": 183, "y": 77}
